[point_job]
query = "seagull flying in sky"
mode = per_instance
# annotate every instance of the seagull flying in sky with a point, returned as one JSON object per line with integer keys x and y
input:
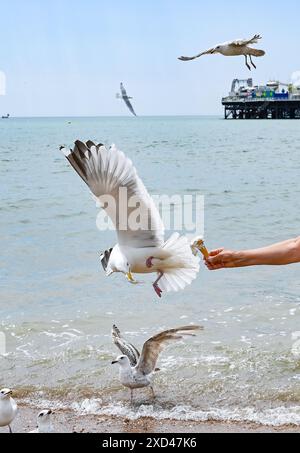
{"x": 234, "y": 48}
{"x": 136, "y": 369}
{"x": 8, "y": 408}
{"x": 44, "y": 422}
{"x": 141, "y": 248}
{"x": 126, "y": 98}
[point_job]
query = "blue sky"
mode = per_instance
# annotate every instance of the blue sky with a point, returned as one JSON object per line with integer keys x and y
{"x": 67, "y": 57}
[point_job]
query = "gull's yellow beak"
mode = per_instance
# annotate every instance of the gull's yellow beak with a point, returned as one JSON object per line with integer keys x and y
{"x": 130, "y": 277}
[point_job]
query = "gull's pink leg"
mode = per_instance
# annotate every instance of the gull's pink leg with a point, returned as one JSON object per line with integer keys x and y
{"x": 149, "y": 262}
{"x": 155, "y": 284}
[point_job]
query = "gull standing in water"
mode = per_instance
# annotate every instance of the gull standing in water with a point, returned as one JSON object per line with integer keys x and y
{"x": 136, "y": 369}
{"x": 232, "y": 49}
{"x": 141, "y": 246}
{"x": 44, "y": 424}
{"x": 8, "y": 408}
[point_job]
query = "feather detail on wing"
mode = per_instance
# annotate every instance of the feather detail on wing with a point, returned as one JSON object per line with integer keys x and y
{"x": 114, "y": 182}
{"x": 246, "y": 42}
{"x": 124, "y": 346}
{"x": 154, "y": 346}
{"x": 206, "y": 52}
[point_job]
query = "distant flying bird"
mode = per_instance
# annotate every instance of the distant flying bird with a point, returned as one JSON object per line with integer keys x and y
{"x": 234, "y": 48}
{"x": 8, "y": 408}
{"x": 136, "y": 369}
{"x": 44, "y": 423}
{"x": 141, "y": 248}
{"x": 126, "y": 98}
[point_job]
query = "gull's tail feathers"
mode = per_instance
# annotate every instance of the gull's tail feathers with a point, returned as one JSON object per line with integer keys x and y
{"x": 257, "y": 52}
{"x": 182, "y": 266}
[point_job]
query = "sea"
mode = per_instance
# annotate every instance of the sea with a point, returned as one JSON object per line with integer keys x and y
{"x": 57, "y": 306}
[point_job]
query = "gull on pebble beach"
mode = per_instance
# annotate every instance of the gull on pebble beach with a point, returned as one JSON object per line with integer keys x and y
{"x": 233, "y": 48}
{"x": 44, "y": 424}
{"x": 8, "y": 408}
{"x": 141, "y": 248}
{"x": 136, "y": 370}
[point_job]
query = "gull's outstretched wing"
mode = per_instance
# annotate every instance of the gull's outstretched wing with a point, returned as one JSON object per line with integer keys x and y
{"x": 245, "y": 42}
{"x": 114, "y": 182}
{"x": 125, "y": 98}
{"x": 154, "y": 346}
{"x": 206, "y": 52}
{"x": 125, "y": 347}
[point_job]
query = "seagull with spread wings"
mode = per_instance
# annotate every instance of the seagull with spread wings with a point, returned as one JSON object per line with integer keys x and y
{"x": 136, "y": 370}
{"x": 141, "y": 248}
{"x": 234, "y": 48}
{"x": 126, "y": 99}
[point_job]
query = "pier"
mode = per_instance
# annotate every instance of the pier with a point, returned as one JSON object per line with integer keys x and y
{"x": 274, "y": 100}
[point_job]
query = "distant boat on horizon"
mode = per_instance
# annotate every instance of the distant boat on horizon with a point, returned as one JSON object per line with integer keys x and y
{"x": 5, "y": 117}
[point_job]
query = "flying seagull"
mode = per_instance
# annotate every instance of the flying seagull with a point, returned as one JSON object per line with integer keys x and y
{"x": 141, "y": 248}
{"x": 44, "y": 423}
{"x": 8, "y": 408}
{"x": 234, "y": 48}
{"x": 125, "y": 98}
{"x": 136, "y": 369}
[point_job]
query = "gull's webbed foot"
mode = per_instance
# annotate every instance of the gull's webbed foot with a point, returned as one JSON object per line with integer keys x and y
{"x": 155, "y": 284}
{"x": 157, "y": 289}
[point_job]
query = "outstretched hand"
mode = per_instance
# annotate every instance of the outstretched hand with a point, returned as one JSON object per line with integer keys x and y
{"x": 221, "y": 259}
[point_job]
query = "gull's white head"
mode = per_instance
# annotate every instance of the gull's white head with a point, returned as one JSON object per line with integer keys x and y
{"x": 217, "y": 49}
{"x": 122, "y": 360}
{"x": 117, "y": 262}
{"x": 44, "y": 419}
{"x": 5, "y": 394}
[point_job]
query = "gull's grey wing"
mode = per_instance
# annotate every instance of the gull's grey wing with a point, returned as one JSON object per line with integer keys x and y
{"x": 128, "y": 103}
{"x": 125, "y": 347}
{"x": 123, "y": 91}
{"x": 154, "y": 346}
{"x": 126, "y": 99}
{"x": 206, "y": 52}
